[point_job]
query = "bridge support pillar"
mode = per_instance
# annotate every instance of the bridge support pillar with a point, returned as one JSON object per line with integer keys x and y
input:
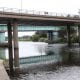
{"x": 2, "y": 40}
{"x": 68, "y": 36}
{"x": 50, "y": 36}
{"x": 10, "y": 48}
{"x": 16, "y": 48}
{"x": 79, "y": 34}
{"x": 2, "y": 37}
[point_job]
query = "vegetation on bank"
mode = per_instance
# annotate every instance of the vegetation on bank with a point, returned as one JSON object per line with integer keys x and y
{"x": 41, "y": 36}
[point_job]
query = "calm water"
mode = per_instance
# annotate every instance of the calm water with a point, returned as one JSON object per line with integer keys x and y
{"x": 27, "y": 49}
{"x": 62, "y": 73}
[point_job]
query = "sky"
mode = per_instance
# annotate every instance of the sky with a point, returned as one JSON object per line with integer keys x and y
{"x": 20, "y": 34}
{"x": 58, "y": 6}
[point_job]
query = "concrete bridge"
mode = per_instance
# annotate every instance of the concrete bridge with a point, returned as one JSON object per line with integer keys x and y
{"x": 12, "y": 18}
{"x": 37, "y": 18}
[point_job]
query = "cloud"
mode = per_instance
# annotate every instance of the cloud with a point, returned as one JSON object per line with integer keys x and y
{"x": 61, "y": 6}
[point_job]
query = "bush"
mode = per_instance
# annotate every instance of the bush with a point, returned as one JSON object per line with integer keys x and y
{"x": 42, "y": 39}
{"x": 35, "y": 38}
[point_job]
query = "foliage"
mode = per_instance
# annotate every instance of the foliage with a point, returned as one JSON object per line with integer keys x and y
{"x": 43, "y": 39}
{"x": 35, "y": 38}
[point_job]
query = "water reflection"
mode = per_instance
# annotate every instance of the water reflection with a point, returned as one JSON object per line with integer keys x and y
{"x": 27, "y": 49}
{"x": 2, "y": 53}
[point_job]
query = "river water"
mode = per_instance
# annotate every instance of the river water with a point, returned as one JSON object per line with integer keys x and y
{"x": 27, "y": 49}
{"x": 66, "y": 72}
{"x": 62, "y": 73}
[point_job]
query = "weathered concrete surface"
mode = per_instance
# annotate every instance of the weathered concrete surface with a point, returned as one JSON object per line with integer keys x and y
{"x": 3, "y": 73}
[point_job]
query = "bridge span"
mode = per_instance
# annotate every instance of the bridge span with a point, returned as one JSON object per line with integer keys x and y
{"x": 23, "y": 28}
{"x": 37, "y": 17}
{"x": 12, "y": 18}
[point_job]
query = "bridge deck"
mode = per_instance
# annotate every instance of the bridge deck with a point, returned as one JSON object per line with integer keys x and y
{"x": 33, "y": 18}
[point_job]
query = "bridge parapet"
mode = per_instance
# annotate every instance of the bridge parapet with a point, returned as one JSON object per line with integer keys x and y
{"x": 34, "y": 12}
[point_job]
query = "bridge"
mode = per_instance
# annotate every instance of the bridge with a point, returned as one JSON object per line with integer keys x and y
{"x": 37, "y": 18}
{"x": 22, "y": 28}
{"x": 14, "y": 17}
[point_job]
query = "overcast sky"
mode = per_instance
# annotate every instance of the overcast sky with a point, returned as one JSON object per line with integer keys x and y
{"x": 59, "y": 6}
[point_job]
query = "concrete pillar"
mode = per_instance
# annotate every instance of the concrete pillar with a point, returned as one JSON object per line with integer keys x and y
{"x": 68, "y": 36}
{"x": 2, "y": 40}
{"x": 79, "y": 34}
{"x": 10, "y": 48}
{"x": 2, "y": 37}
{"x": 16, "y": 48}
{"x": 55, "y": 36}
{"x": 50, "y": 36}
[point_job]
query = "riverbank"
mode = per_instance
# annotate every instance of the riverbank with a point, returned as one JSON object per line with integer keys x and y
{"x": 3, "y": 73}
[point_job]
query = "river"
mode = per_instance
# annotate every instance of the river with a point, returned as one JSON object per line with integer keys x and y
{"x": 27, "y": 49}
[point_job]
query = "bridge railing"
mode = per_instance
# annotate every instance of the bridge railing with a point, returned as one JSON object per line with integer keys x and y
{"x": 34, "y": 12}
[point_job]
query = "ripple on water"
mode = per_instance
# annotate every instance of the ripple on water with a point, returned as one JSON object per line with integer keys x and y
{"x": 63, "y": 73}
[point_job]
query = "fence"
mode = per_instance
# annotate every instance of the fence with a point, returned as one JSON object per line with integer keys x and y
{"x": 34, "y": 12}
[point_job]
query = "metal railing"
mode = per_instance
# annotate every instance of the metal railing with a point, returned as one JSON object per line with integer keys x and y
{"x": 34, "y": 12}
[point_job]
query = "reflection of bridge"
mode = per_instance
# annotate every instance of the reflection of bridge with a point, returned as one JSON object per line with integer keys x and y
{"x": 37, "y": 59}
{"x": 13, "y": 18}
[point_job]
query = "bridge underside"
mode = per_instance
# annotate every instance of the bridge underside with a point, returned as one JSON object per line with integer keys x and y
{"x": 22, "y": 28}
{"x": 28, "y": 22}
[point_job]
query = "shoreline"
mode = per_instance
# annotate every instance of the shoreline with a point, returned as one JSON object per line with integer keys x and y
{"x": 3, "y": 73}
